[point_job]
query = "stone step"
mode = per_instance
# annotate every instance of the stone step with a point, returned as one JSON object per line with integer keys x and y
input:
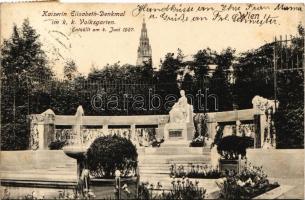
{"x": 38, "y": 176}
{"x": 175, "y": 151}
{"x": 184, "y": 163}
{"x": 38, "y": 172}
{"x": 155, "y": 163}
{"x": 175, "y": 161}
{"x": 163, "y": 167}
{"x": 173, "y": 155}
{"x": 156, "y": 167}
{"x": 154, "y": 172}
{"x": 166, "y": 182}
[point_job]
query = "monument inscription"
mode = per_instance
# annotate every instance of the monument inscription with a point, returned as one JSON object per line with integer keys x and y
{"x": 175, "y": 133}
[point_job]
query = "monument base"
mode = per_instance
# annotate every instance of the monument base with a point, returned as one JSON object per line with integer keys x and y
{"x": 176, "y": 143}
{"x": 178, "y": 134}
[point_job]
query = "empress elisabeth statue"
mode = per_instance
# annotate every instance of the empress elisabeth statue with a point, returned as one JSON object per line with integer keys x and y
{"x": 180, "y": 127}
{"x": 181, "y": 110}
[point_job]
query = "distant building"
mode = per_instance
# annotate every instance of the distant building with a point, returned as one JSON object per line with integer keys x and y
{"x": 144, "y": 49}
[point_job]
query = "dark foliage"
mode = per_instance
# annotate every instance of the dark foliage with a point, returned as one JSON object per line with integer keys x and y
{"x": 21, "y": 57}
{"x": 157, "y": 143}
{"x": 197, "y": 142}
{"x": 57, "y": 145}
{"x": 231, "y": 147}
{"x": 289, "y": 118}
{"x": 254, "y": 76}
{"x": 109, "y": 153}
{"x": 218, "y": 136}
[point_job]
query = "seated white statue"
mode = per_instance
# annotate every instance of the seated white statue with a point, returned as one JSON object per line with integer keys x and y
{"x": 179, "y": 112}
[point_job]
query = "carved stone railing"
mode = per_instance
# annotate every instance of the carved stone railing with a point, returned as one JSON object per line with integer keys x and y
{"x": 44, "y": 127}
{"x": 142, "y": 136}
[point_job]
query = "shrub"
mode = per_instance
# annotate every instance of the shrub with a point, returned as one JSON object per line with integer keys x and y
{"x": 57, "y": 144}
{"x": 109, "y": 153}
{"x": 197, "y": 142}
{"x": 231, "y": 147}
{"x": 218, "y": 135}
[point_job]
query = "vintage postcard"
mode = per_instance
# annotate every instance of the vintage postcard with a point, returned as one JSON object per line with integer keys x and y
{"x": 152, "y": 101}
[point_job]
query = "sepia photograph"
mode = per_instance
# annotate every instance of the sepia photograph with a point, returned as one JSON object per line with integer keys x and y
{"x": 152, "y": 101}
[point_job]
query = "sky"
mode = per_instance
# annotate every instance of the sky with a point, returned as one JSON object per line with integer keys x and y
{"x": 97, "y": 49}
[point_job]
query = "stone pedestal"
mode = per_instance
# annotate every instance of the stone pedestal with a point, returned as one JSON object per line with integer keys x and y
{"x": 178, "y": 134}
{"x": 162, "y": 121}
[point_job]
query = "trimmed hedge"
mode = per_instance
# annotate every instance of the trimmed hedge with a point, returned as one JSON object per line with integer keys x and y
{"x": 109, "y": 153}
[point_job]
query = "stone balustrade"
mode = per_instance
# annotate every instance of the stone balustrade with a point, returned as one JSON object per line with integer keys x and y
{"x": 44, "y": 126}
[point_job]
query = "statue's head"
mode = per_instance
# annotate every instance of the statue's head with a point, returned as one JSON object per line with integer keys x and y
{"x": 182, "y": 93}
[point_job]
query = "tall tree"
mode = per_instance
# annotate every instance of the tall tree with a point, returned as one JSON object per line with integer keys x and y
{"x": 289, "y": 119}
{"x": 22, "y": 59}
{"x": 253, "y": 75}
{"x": 202, "y": 59}
{"x": 70, "y": 70}
{"x": 220, "y": 83}
{"x": 167, "y": 76}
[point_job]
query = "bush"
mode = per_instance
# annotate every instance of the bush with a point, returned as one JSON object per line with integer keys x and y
{"x": 197, "y": 142}
{"x": 109, "y": 153}
{"x": 231, "y": 147}
{"x": 57, "y": 144}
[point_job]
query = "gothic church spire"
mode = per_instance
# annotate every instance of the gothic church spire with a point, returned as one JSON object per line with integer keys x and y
{"x": 144, "y": 49}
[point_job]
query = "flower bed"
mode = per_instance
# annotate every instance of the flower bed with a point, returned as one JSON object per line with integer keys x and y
{"x": 181, "y": 189}
{"x": 194, "y": 171}
{"x": 250, "y": 182}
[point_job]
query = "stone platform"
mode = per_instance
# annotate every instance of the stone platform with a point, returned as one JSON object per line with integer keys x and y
{"x": 46, "y": 168}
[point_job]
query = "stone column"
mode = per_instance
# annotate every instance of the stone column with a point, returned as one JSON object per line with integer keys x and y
{"x": 161, "y": 123}
{"x": 133, "y": 130}
{"x": 160, "y": 131}
{"x": 257, "y": 137}
{"x": 41, "y": 134}
{"x": 262, "y": 127}
{"x": 36, "y": 127}
{"x": 212, "y": 123}
{"x": 105, "y": 129}
{"x": 48, "y": 129}
{"x": 42, "y": 130}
